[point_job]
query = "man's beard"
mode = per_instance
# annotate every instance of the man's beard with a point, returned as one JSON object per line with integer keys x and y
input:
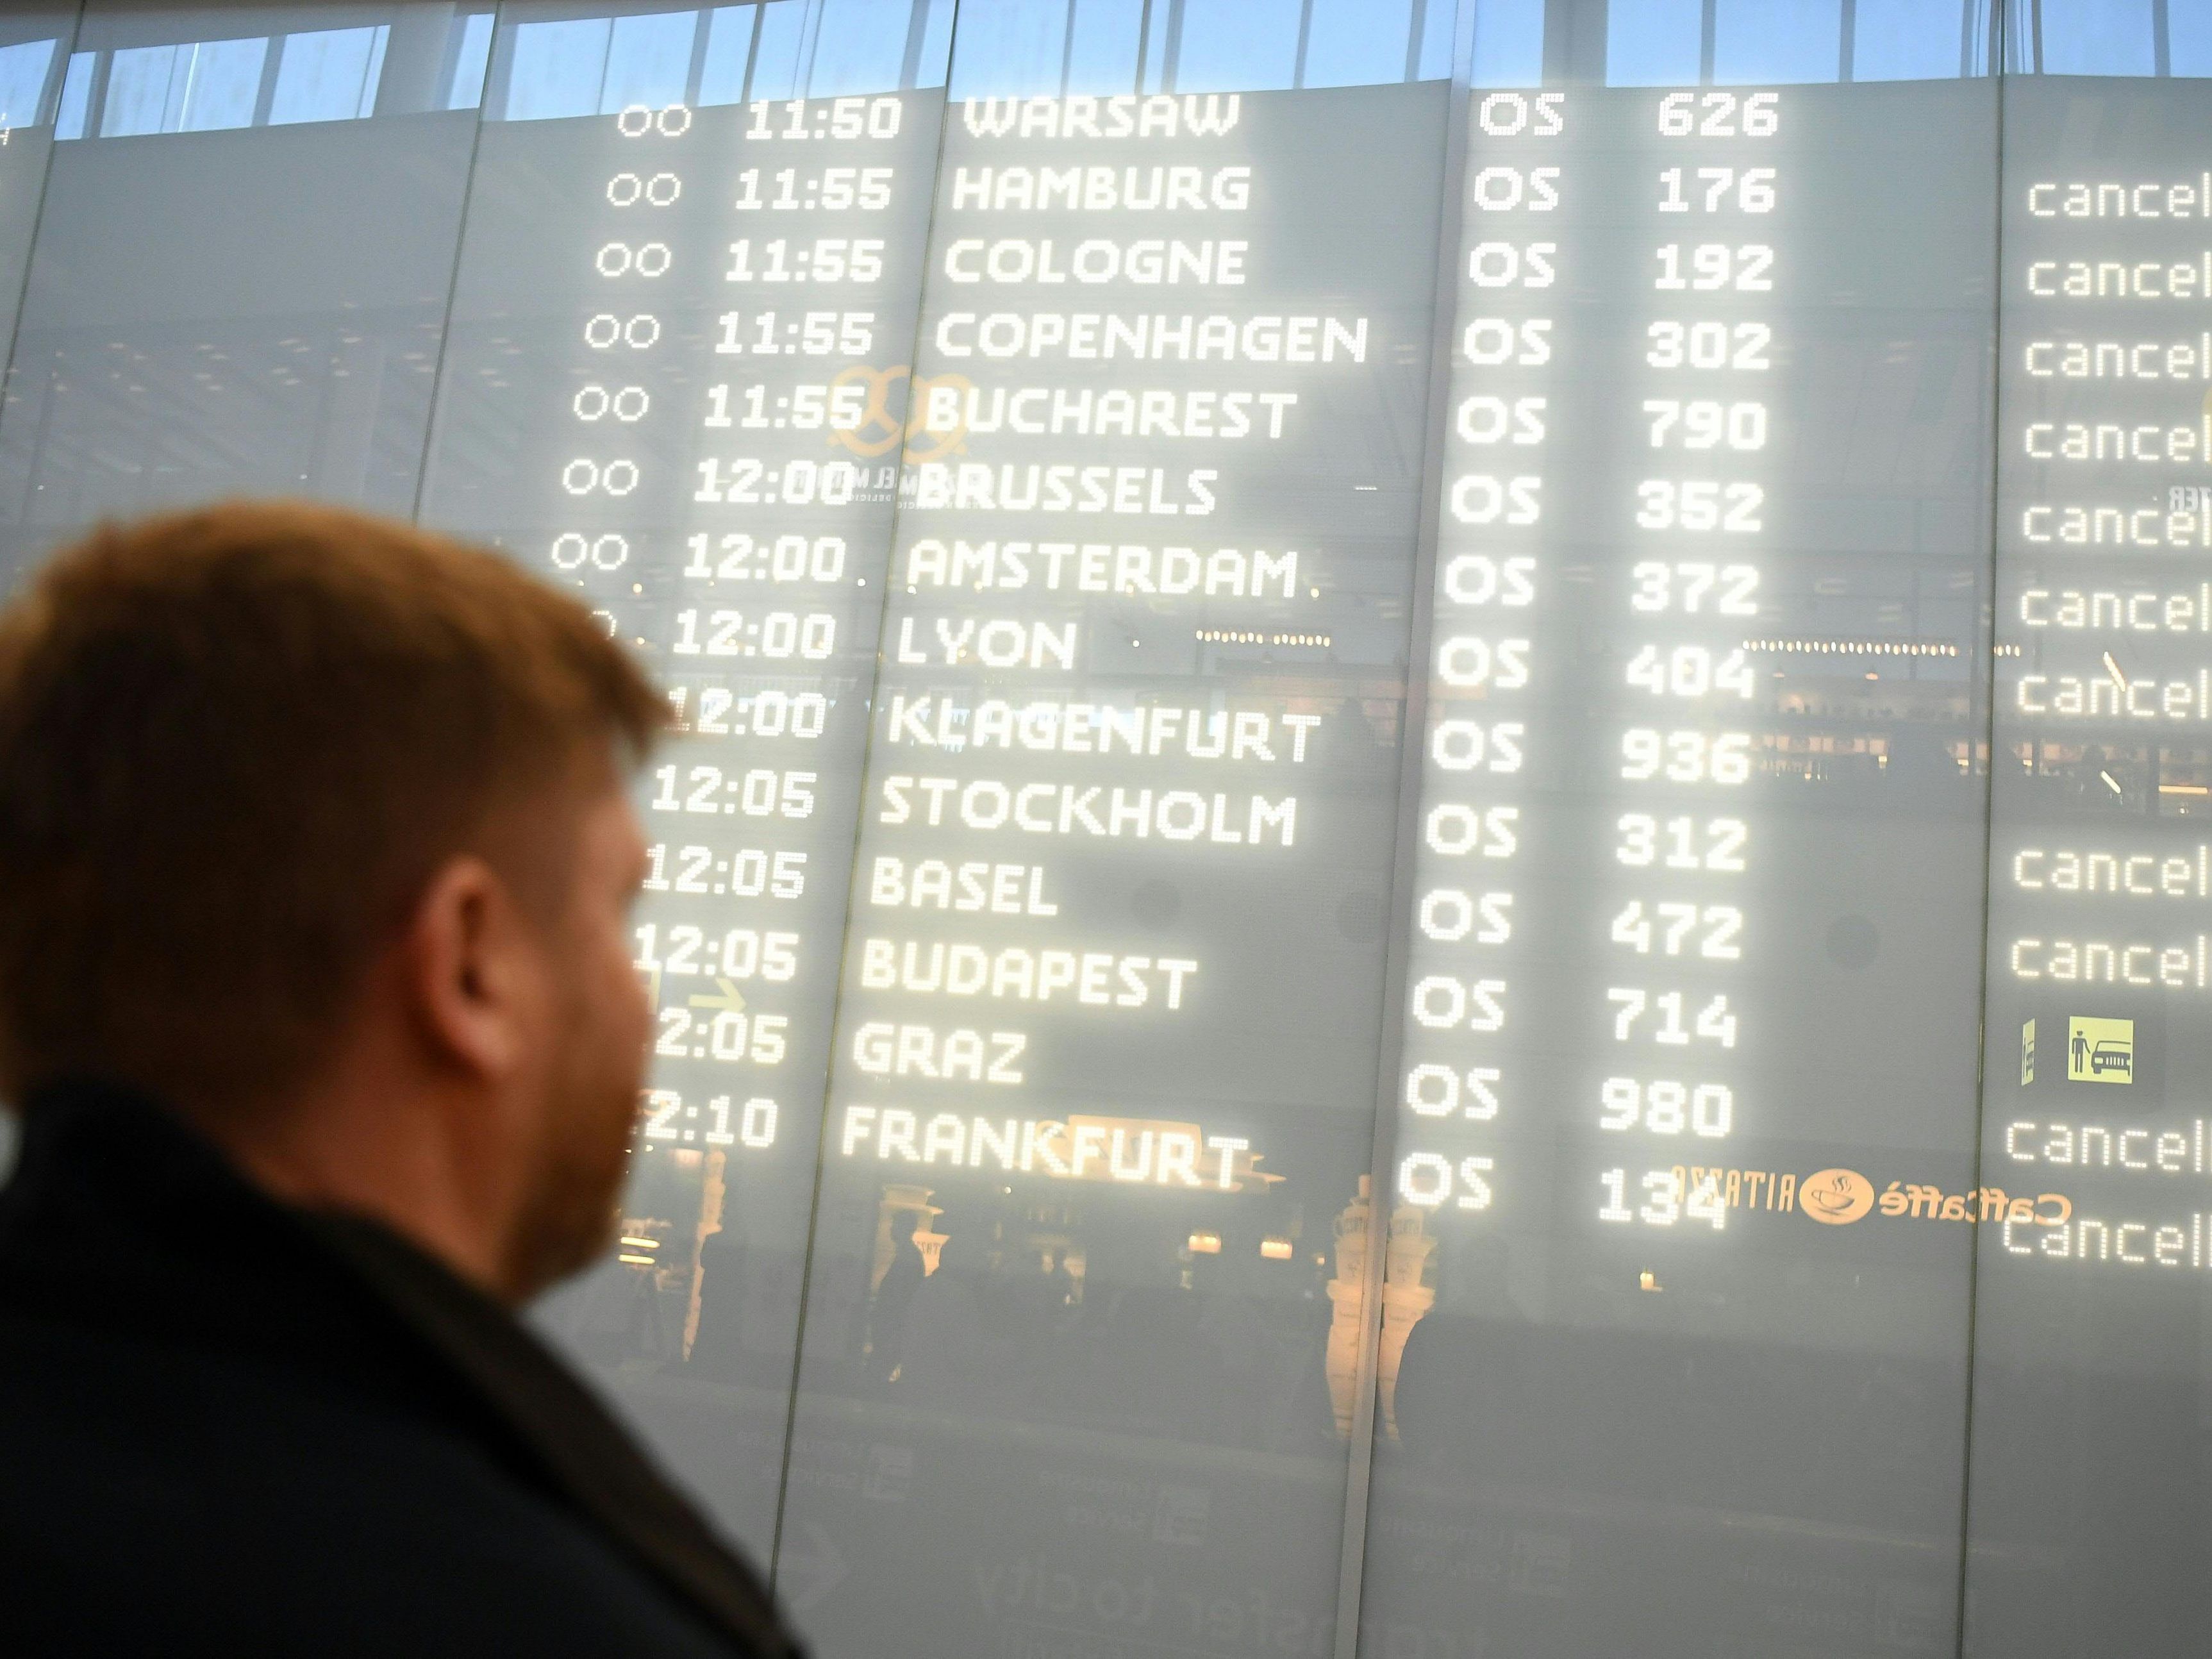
{"x": 569, "y": 1215}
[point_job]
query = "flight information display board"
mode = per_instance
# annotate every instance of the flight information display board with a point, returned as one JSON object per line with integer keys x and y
{"x": 1430, "y": 875}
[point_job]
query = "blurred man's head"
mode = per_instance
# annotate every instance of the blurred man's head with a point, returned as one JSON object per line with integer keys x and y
{"x": 313, "y": 826}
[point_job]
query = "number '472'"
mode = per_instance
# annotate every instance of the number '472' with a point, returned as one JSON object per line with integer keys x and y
{"x": 1673, "y": 927}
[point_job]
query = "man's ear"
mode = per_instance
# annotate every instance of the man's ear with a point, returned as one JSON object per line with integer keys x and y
{"x": 470, "y": 961}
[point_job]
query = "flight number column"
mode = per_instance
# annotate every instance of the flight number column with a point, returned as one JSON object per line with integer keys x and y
{"x": 1466, "y": 1068}
{"x": 1682, "y": 847}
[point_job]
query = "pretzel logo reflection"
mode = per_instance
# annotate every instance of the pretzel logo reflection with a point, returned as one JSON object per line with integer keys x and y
{"x": 884, "y": 426}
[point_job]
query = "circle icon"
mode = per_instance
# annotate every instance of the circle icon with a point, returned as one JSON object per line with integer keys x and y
{"x": 1835, "y": 1197}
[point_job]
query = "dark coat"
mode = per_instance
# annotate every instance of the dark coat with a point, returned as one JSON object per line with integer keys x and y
{"x": 231, "y": 1426}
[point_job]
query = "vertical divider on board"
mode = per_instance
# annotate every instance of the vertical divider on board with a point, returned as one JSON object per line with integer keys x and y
{"x": 438, "y": 385}
{"x": 1983, "y": 693}
{"x": 19, "y": 226}
{"x": 14, "y": 266}
{"x": 1397, "y": 905}
{"x": 912, "y": 65}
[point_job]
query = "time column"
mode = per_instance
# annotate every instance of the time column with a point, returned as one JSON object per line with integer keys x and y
{"x": 793, "y": 396}
{"x": 1682, "y": 845}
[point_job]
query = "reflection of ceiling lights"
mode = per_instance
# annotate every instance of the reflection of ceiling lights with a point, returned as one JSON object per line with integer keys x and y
{"x": 2112, "y": 783}
{"x": 1275, "y": 1249}
{"x": 1233, "y": 637}
{"x": 1206, "y": 1243}
{"x": 1854, "y": 648}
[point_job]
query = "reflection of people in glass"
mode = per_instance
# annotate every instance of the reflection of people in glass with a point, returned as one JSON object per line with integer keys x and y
{"x": 1059, "y": 1284}
{"x": 941, "y": 1347}
{"x": 1458, "y": 1391}
{"x": 318, "y": 1004}
{"x": 714, "y": 1350}
{"x": 894, "y": 1293}
{"x": 1138, "y": 1357}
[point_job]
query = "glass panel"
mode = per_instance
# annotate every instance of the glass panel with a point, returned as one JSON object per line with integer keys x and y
{"x": 2097, "y": 37}
{"x": 34, "y": 49}
{"x": 217, "y": 304}
{"x": 26, "y": 69}
{"x": 2092, "y": 1382}
{"x": 2189, "y": 39}
{"x": 676, "y": 381}
{"x": 1759, "y": 42}
{"x": 1103, "y": 47}
{"x": 728, "y": 55}
{"x": 1155, "y": 65}
{"x": 139, "y": 100}
{"x": 471, "y": 57}
{"x": 1906, "y": 40}
{"x": 1353, "y": 43}
{"x": 1083, "y": 1321}
{"x": 1670, "y": 1364}
{"x": 330, "y": 75}
{"x": 554, "y": 69}
{"x": 76, "y": 96}
{"x": 1509, "y": 43}
{"x": 862, "y": 45}
{"x": 648, "y": 60}
{"x": 779, "y": 68}
{"x": 1652, "y": 42}
{"x": 202, "y": 86}
{"x": 1237, "y": 43}
{"x": 1009, "y": 51}
{"x": 221, "y": 82}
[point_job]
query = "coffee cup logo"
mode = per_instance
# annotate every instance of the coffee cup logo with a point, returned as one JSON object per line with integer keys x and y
{"x": 1834, "y": 1197}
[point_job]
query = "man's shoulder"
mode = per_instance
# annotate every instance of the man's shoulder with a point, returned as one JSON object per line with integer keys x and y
{"x": 216, "y": 1405}
{"x": 158, "y": 1497}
